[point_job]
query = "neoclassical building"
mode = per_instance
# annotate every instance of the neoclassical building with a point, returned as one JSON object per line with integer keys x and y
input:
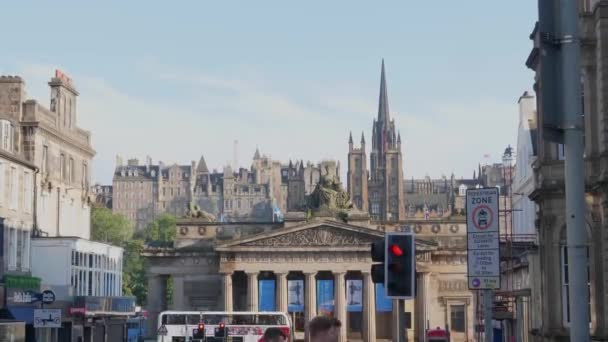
{"x": 226, "y": 266}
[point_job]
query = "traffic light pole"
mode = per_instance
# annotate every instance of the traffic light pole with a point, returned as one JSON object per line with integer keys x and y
{"x": 574, "y": 171}
{"x": 487, "y": 315}
{"x": 402, "y": 326}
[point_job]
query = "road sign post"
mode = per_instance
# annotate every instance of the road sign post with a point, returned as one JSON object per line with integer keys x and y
{"x": 483, "y": 247}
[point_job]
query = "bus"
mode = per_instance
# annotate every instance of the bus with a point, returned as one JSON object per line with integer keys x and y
{"x": 178, "y": 326}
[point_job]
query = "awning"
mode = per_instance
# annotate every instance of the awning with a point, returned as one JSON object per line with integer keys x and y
{"x": 21, "y": 314}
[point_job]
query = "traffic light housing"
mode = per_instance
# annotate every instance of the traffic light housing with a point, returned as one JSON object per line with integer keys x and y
{"x": 396, "y": 264}
{"x": 199, "y": 332}
{"x": 400, "y": 273}
{"x": 221, "y": 331}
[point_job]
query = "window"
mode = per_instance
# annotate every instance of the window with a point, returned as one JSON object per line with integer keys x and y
{"x": 7, "y": 135}
{"x": 45, "y": 159}
{"x": 462, "y": 190}
{"x": 457, "y": 318}
{"x": 560, "y": 152}
{"x": 85, "y": 175}
{"x": 375, "y": 208}
{"x": 565, "y": 285}
{"x": 14, "y": 189}
{"x": 28, "y": 192}
{"x": 62, "y": 166}
{"x": 12, "y": 247}
{"x": 71, "y": 171}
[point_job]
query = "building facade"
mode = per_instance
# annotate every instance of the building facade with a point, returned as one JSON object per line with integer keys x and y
{"x": 239, "y": 257}
{"x": 45, "y": 160}
{"x": 549, "y": 186}
{"x": 102, "y": 195}
{"x": 50, "y": 139}
{"x": 383, "y": 183}
{"x": 260, "y": 193}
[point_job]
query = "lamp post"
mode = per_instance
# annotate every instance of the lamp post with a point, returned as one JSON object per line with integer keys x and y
{"x": 507, "y": 159}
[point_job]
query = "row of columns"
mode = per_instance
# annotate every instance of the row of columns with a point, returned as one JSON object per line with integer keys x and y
{"x": 310, "y": 299}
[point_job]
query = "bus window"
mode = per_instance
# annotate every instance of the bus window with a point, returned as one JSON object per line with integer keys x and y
{"x": 176, "y": 319}
{"x": 193, "y": 319}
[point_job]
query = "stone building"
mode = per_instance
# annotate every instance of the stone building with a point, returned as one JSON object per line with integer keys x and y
{"x": 51, "y": 139}
{"x": 102, "y": 195}
{"x": 261, "y": 193}
{"x": 549, "y": 187}
{"x": 55, "y": 180}
{"x": 218, "y": 266}
{"x": 382, "y": 185}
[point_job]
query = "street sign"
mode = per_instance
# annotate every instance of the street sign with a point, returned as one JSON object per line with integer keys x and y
{"x": 162, "y": 331}
{"x": 47, "y": 297}
{"x": 483, "y": 238}
{"x": 47, "y": 318}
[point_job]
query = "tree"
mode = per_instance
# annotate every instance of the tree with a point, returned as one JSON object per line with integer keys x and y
{"x": 134, "y": 271}
{"x": 108, "y": 227}
{"x": 162, "y": 229}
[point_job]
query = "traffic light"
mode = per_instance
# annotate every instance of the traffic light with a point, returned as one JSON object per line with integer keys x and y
{"x": 221, "y": 331}
{"x": 199, "y": 333}
{"x": 400, "y": 273}
{"x": 378, "y": 254}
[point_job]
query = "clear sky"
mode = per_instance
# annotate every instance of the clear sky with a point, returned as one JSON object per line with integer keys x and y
{"x": 175, "y": 80}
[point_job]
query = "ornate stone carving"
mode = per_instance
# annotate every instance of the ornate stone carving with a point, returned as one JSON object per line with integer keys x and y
{"x": 453, "y": 285}
{"x": 322, "y": 236}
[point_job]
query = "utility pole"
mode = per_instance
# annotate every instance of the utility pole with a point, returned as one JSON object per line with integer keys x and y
{"x": 488, "y": 301}
{"x": 574, "y": 170}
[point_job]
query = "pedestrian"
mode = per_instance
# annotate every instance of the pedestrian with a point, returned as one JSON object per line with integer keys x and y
{"x": 274, "y": 335}
{"x": 324, "y": 329}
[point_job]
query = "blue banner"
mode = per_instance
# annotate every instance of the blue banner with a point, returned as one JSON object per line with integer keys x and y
{"x": 383, "y": 303}
{"x": 354, "y": 295}
{"x": 295, "y": 295}
{"x": 266, "y": 295}
{"x": 325, "y": 297}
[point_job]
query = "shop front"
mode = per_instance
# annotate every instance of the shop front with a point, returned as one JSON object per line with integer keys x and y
{"x": 101, "y": 319}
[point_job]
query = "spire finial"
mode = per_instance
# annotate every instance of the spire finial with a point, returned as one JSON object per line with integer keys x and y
{"x": 399, "y": 138}
{"x": 362, "y": 138}
{"x": 383, "y": 112}
{"x": 350, "y": 137}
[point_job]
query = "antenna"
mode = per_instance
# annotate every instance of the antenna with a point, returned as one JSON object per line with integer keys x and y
{"x": 235, "y": 156}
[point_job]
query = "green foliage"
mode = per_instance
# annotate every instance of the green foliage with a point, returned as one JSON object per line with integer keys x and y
{"x": 108, "y": 227}
{"x": 115, "y": 229}
{"x": 163, "y": 229}
{"x": 134, "y": 271}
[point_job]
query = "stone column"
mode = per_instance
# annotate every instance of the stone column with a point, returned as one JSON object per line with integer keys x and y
{"x": 420, "y": 314}
{"x": 310, "y": 300}
{"x": 156, "y": 300}
{"x": 227, "y": 291}
{"x": 340, "y": 303}
{"x": 281, "y": 289}
{"x": 369, "y": 308}
{"x": 178, "y": 293}
{"x": 252, "y": 291}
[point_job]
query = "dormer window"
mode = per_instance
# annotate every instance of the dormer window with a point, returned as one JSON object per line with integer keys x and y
{"x": 7, "y": 133}
{"x": 462, "y": 190}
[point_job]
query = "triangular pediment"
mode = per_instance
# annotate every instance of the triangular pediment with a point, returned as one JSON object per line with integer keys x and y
{"x": 318, "y": 234}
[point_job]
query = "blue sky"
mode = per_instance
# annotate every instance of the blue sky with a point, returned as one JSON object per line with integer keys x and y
{"x": 177, "y": 81}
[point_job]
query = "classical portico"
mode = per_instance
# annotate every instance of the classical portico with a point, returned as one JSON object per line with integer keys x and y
{"x": 312, "y": 253}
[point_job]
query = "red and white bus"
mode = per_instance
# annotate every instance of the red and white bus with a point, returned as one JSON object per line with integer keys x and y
{"x": 176, "y": 326}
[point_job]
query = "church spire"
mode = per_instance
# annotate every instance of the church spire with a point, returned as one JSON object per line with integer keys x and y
{"x": 350, "y": 138}
{"x": 362, "y": 139}
{"x": 383, "y": 113}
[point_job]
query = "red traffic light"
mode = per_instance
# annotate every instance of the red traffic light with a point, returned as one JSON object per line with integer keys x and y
{"x": 396, "y": 250}
{"x": 201, "y": 326}
{"x": 222, "y": 325}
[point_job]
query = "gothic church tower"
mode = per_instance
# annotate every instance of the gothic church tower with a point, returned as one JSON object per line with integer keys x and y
{"x": 385, "y": 189}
